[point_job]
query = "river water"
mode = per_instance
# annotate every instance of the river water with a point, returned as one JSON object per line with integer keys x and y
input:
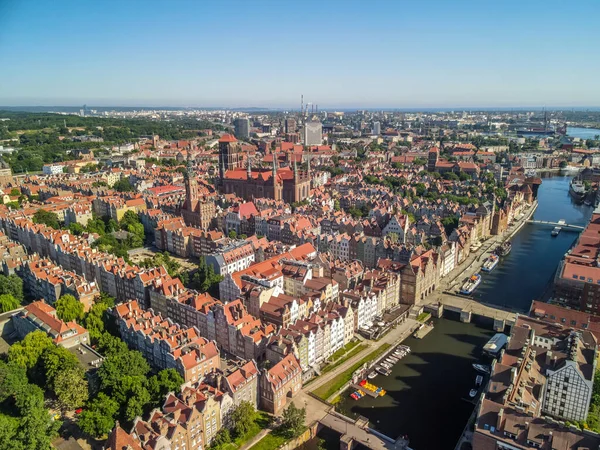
{"x": 583, "y": 133}
{"x": 427, "y": 392}
{"x": 526, "y": 272}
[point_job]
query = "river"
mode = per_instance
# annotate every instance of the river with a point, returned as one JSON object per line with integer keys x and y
{"x": 583, "y": 133}
{"x": 526, "y": 272}
{"x": 427, "y": 392}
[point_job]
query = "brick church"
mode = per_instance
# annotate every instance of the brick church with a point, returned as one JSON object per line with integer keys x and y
{"x": 279, "y": 183}
{"x": 199, "y": 207}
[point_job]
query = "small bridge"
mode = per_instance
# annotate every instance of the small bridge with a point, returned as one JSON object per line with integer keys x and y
{"x": 564, "y": 226}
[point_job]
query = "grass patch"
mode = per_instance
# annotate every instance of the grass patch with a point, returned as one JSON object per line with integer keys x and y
{"x": 424, "y": 316}
{"x": 328, "y": 389}
{"x": 262, "y": 421}
{"x": 271, "y": 441}
{"x": 357, "y": 349}
{"x": 346, "y": 348}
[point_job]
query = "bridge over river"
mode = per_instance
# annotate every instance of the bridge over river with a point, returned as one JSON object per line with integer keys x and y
{"x": 563, "y": 226}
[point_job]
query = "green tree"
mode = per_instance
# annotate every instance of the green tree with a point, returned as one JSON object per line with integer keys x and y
{"x": 8, "y": 303}
{"x": 110, "y": 345}
{"x": 76, "y": 228}
{"x": 205, "y": 279}
{"x": 293, "y": 420}
{"x": 136, "y": 400}
{"x": 13, "y": 380}
{"x": 47, "y": 218}
{"x": 68, "y": 308}
{"x": 37, "y": 427}
{"x": 99, "y": 416}
{"x": 221, "y": 439}
{"x": 71, "y": 387}
{"x": 123, "y": 185}
{"x": 55, "y": 360}
{"x": 96, "y": 226}
{"x": 336, "y": 205}
{"x": 28, "y": 352}
{"x": 12, "y": 285}
{"x": 8, "y": 432}
{"x": 94, "y": 320}
{"x": 165, "y": 381}
{"x": 242, "y": 418}
{"x": 118, "y": 366}
{"x": 232, "y": 234}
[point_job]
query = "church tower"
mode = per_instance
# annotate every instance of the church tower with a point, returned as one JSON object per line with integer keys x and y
{"x": 229, "y": 154}
{"x": 432, "y": 159}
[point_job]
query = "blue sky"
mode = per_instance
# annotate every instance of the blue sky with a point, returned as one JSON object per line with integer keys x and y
{"x": 392, "y": 53}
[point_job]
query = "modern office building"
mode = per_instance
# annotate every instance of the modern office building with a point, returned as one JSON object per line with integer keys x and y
{"x": 242, "y": 128}
{"x": 313, "y": 132}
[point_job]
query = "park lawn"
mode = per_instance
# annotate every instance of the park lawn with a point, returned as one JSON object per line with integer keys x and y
{"x": 357, "y": 349}
{"x": 271, "y": 441}
{"x": 328, "y": 389}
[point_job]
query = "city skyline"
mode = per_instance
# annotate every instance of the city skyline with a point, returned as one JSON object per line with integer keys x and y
{"x": 264, "y": 54}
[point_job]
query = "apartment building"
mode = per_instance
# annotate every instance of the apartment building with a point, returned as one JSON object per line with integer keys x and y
{"x": 236, "y": 256}
{"x": 44, "y": 279}
{"x": 41, "y": 316}
{"x": 280, "y": 382}
{"x": 166, "y": 344}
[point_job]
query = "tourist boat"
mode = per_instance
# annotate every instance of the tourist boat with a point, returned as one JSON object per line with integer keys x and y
{"x": 472, "y": 393}
{"x": 481, "y": 368}
{"x": 478, "y": 380}
{"x": 372, "y": 375}
{"x": 490, "y": 263}
{"x": 555, "y": 231}
{"x": 577, "y": 190}
{"x": 471, "y": 284}
{"x": 383, "y": 371}
{"x": 504, "y": 249}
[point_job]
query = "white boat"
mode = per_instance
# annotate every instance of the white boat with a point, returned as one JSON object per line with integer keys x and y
{"x": 404, "y": 347}
{"x": 383, "y": 371}
{"x": 478, "y": 380}
{"x": 490, "y": 263}
{"x": 399, "y": 355}
{"x": 372, "y": 375}
{"x": 472, "y": 393}
{"x": 390, "y": 361}
{"x": 471, "y": 284}
{"x": 555, "y": 231}
{"x": 386, "y": 365}
{"x": 394, "y": 359}
{"x": 481, "y": 368}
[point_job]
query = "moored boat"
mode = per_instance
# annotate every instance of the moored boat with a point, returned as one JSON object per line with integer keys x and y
{"x": 504, "y": 249}
{"x": 490, "y": 263}
{"x": 383, "y": 371}
{"x": 372, "y": 375}
{"x": 481, "y": 368}
{"x": 472, "y": 393}
{"x": 471, "y": 284}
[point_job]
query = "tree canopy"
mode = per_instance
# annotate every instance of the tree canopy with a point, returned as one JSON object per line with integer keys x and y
{"x": 68, "y": 308}
{"x": 12, "y": 285}
{"x": 47, "y": 218}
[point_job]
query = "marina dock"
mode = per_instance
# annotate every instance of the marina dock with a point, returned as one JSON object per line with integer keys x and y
{"x": 423, "y": 331}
